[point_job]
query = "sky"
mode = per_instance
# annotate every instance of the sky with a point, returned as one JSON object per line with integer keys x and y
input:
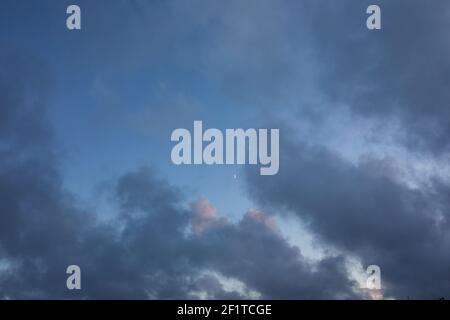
{"x": 86, "y": 176}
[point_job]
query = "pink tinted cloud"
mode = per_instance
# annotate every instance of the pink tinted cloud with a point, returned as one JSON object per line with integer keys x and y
{"x": 264, "y": 219}
{"x": 204, "y": 216}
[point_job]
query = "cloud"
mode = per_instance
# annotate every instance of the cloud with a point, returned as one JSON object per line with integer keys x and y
{"x": 398, "y": 73}
{"x": 263, "y": 218}
{"x": 363, "y": 212}
{"x": 204, "y": 216}
{"x": 254, "y": 252}
{"x": 150, "y": 255}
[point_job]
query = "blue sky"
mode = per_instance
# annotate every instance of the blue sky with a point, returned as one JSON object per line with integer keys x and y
{"x": 106, "y": 98}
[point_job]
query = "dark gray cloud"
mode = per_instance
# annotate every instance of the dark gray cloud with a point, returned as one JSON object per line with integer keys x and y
{"x": 37, "y": 218}
{"x": 361, "y": 210}
{"x": 286, "y": 274}
{"x": 150, "y": 253}
{"x": 401, "y": 71}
